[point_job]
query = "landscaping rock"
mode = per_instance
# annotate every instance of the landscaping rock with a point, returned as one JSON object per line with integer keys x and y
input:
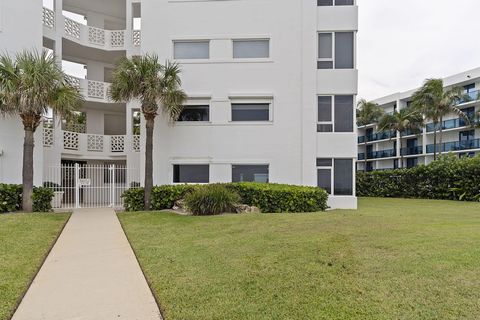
{"x": 179, "y": 205}
{"x": 243, "y": 208}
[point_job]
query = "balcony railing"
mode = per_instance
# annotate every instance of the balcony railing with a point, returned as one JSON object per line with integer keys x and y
{"x": 92, "y": 143}
{"x": 412, "y": 151}
{"x": 378, "y": 154}
{"x": 447, "y": 124}
{"x": 377, "y": 136}
{"x": 361, "y": 156}
{"x": 92, "y": 90}
{"x": 470, "y": 96}
{"x": 455, "y": 146}
{"x": 107, "y": 39}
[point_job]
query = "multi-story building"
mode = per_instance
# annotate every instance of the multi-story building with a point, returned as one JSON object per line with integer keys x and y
{"x": 383, "y": 150}
{"x": 270, "y": 93}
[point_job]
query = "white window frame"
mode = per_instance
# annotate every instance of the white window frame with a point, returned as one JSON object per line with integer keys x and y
{"x": 334, "y": 38}
{"x": 259, "y": 100}
{"x": 332, "y": 122}
{"x": 332, "y": 172}
{"x": 249, "y": 164}
{"x": 335, "y": 4}
{"x": 191, "y": 41}
{"x": 197, "y": 102}
{"x": 252, "y": 39}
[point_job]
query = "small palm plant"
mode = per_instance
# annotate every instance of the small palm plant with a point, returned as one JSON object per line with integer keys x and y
{"x": 435, "y": 102}
{"x": 407, "y": 119}
{"x": 368, "y": 113}
{"x": 157, "y": 87}
{"x": 30, "y": 85}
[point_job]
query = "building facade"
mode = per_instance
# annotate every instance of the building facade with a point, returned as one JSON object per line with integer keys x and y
{"x": 383, "y": 150}
{"x": 270, "y": 93}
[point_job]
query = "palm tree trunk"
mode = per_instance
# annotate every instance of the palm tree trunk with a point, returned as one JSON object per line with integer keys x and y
{"x": 441, "y": 135}
{"x": 150, "y": 123}
{"x": 27, "y": 172}
{"x": 365, "y": 165}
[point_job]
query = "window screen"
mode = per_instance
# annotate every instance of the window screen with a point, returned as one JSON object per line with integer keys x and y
{"x": 195, "y": 113}
{"x": 324, "y": 108}
{"x": 192, "y": 49}
{"x": 248, "y": 49}
{"x": 325, "y": 46}
{"x": 251, "y": 112}
{"x": 343, "y": 177}
{"x": 324, "y": 179}
{"x": 344, "y": 50}
{"x": 344, "y": 113}
{"x": 344, "y": 2}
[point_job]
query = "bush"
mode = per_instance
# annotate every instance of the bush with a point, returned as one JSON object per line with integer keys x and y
{"x": 11, "y": 198}
{"x": 448, "y": 178}
{"x": 164, "y": 197}
{"x": 211, "y": 200}
{"x": 133, "y": 199}
{"x": 42, "y": 199}
{"x": 281, "y": 198}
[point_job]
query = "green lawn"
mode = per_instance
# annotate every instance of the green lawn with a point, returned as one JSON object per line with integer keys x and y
{"x": 392, "y": 259}
{"x": 25, "y": 239}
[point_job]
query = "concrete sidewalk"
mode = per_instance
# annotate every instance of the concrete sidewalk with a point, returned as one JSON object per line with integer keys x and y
{"x": 90, "y": 274}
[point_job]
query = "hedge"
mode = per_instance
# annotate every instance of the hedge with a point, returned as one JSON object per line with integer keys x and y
{"x": 273, "y": 198}
{"x": 448, "y": 178}
{"x": 11, "y": 198}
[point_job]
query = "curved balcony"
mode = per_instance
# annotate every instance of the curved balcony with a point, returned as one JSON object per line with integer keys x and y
{"x": 90, "y": 36}
{"x": 93, "y": 145}
{"x": 96, "y": 91}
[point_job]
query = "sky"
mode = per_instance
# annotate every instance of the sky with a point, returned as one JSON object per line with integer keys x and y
{"x": 403, "y": 42}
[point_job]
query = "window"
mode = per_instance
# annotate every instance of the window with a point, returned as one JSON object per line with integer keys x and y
{"x": 335, "y": 113}
{"x": 336, "y": 173}
{"x": 191, "y": 49}
{"x": 191, "y": 173}
{"x": 195, "y": 113}
{"x": 321, "y": 3}
{"x": 250, "y": 112}
{"x": 335, "y": 50}
{"x": 469, "y": 88}
{"x": 251, "y": 49}
{"x": 250, "y": 173}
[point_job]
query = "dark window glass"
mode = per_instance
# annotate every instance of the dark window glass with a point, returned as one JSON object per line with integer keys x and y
{"x": 325, "y": 45}
{"x": 324, "y": 179}
{"x": 344, "y": 113}
{"x": 248, "y": 49}
{"x": 324, "y": 162}
{"x": 469, "y": 88}
{"x": 325, "y": 65}
{"x": 344, "y": 2}
{"x": 343, "y": 177}
{"x": 191, "y": 173}
{"x": 324, "y": 108}
{"x": 250, "y": 173}
{"x": 251, "y": 112}
{"x": 324, "y": 2}
{"x": 324, "y": 127}
{"x": 195, "y": 113}
{"x": 344, "y": 50}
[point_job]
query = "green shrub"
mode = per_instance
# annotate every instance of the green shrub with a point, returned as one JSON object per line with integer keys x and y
{"x": 10, "y": 197}
{"x": 164, "y": 197}
{"x": 133, "y": 199}
{"x": 281, "y": 198}
{"x": 42, "y": 199}
{"x": 211, "y": 199}
{"x": 448, "y": 178}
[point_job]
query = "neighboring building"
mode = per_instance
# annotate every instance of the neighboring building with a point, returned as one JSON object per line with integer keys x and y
{"x": 271, "y": 94}
{"x": 383, "y": 149}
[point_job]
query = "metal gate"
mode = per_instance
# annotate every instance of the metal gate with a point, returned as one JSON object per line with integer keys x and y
{"x": 90, "y": 186}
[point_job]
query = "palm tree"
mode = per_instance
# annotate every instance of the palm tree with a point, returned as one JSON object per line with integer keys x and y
{"x": 407, "y": 119}
{"x": 146, "y": 79}
{"x": 435, "y": 102}
{"x": 367, "y": 113}
{"x": 30, "y": 84}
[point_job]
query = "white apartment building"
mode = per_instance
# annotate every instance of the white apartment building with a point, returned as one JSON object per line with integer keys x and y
{"x": 383, "y": 149}
{"x": 271, "y": 87}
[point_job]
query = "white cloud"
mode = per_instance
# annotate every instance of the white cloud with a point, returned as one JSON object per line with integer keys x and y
{"x": 403, "y": 42}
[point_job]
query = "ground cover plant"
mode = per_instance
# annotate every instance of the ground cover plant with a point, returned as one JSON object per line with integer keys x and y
{"x": 391, "y": 259}
{"x": 25, "y": 239}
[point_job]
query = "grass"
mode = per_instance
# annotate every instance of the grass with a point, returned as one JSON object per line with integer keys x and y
{"x": 25, "y": 239}
{"x": 392, "y": 259}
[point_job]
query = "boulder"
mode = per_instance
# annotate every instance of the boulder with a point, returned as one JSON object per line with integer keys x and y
{"x": 243, "y": 208}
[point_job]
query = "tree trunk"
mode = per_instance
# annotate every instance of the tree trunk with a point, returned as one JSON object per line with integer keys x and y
{"x": 150, "y": 123}
{"x": 441, "y": 136}
{"x": 365, "y": 165}
{"x": 435, "y": 142}
{"x": 27, "y": 172}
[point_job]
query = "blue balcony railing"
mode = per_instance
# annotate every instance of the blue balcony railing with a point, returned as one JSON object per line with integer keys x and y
{"x": 470, "y": 96}
{"x": 447, "y": 124}
{"x": 410, "y": 132}
{"x": 377, "y": 136}
{"x": 412, "y": 151}
{"x": 361, "y": 156}
{"x": 455, "y": 146}
{"x": 382, "y": 154}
